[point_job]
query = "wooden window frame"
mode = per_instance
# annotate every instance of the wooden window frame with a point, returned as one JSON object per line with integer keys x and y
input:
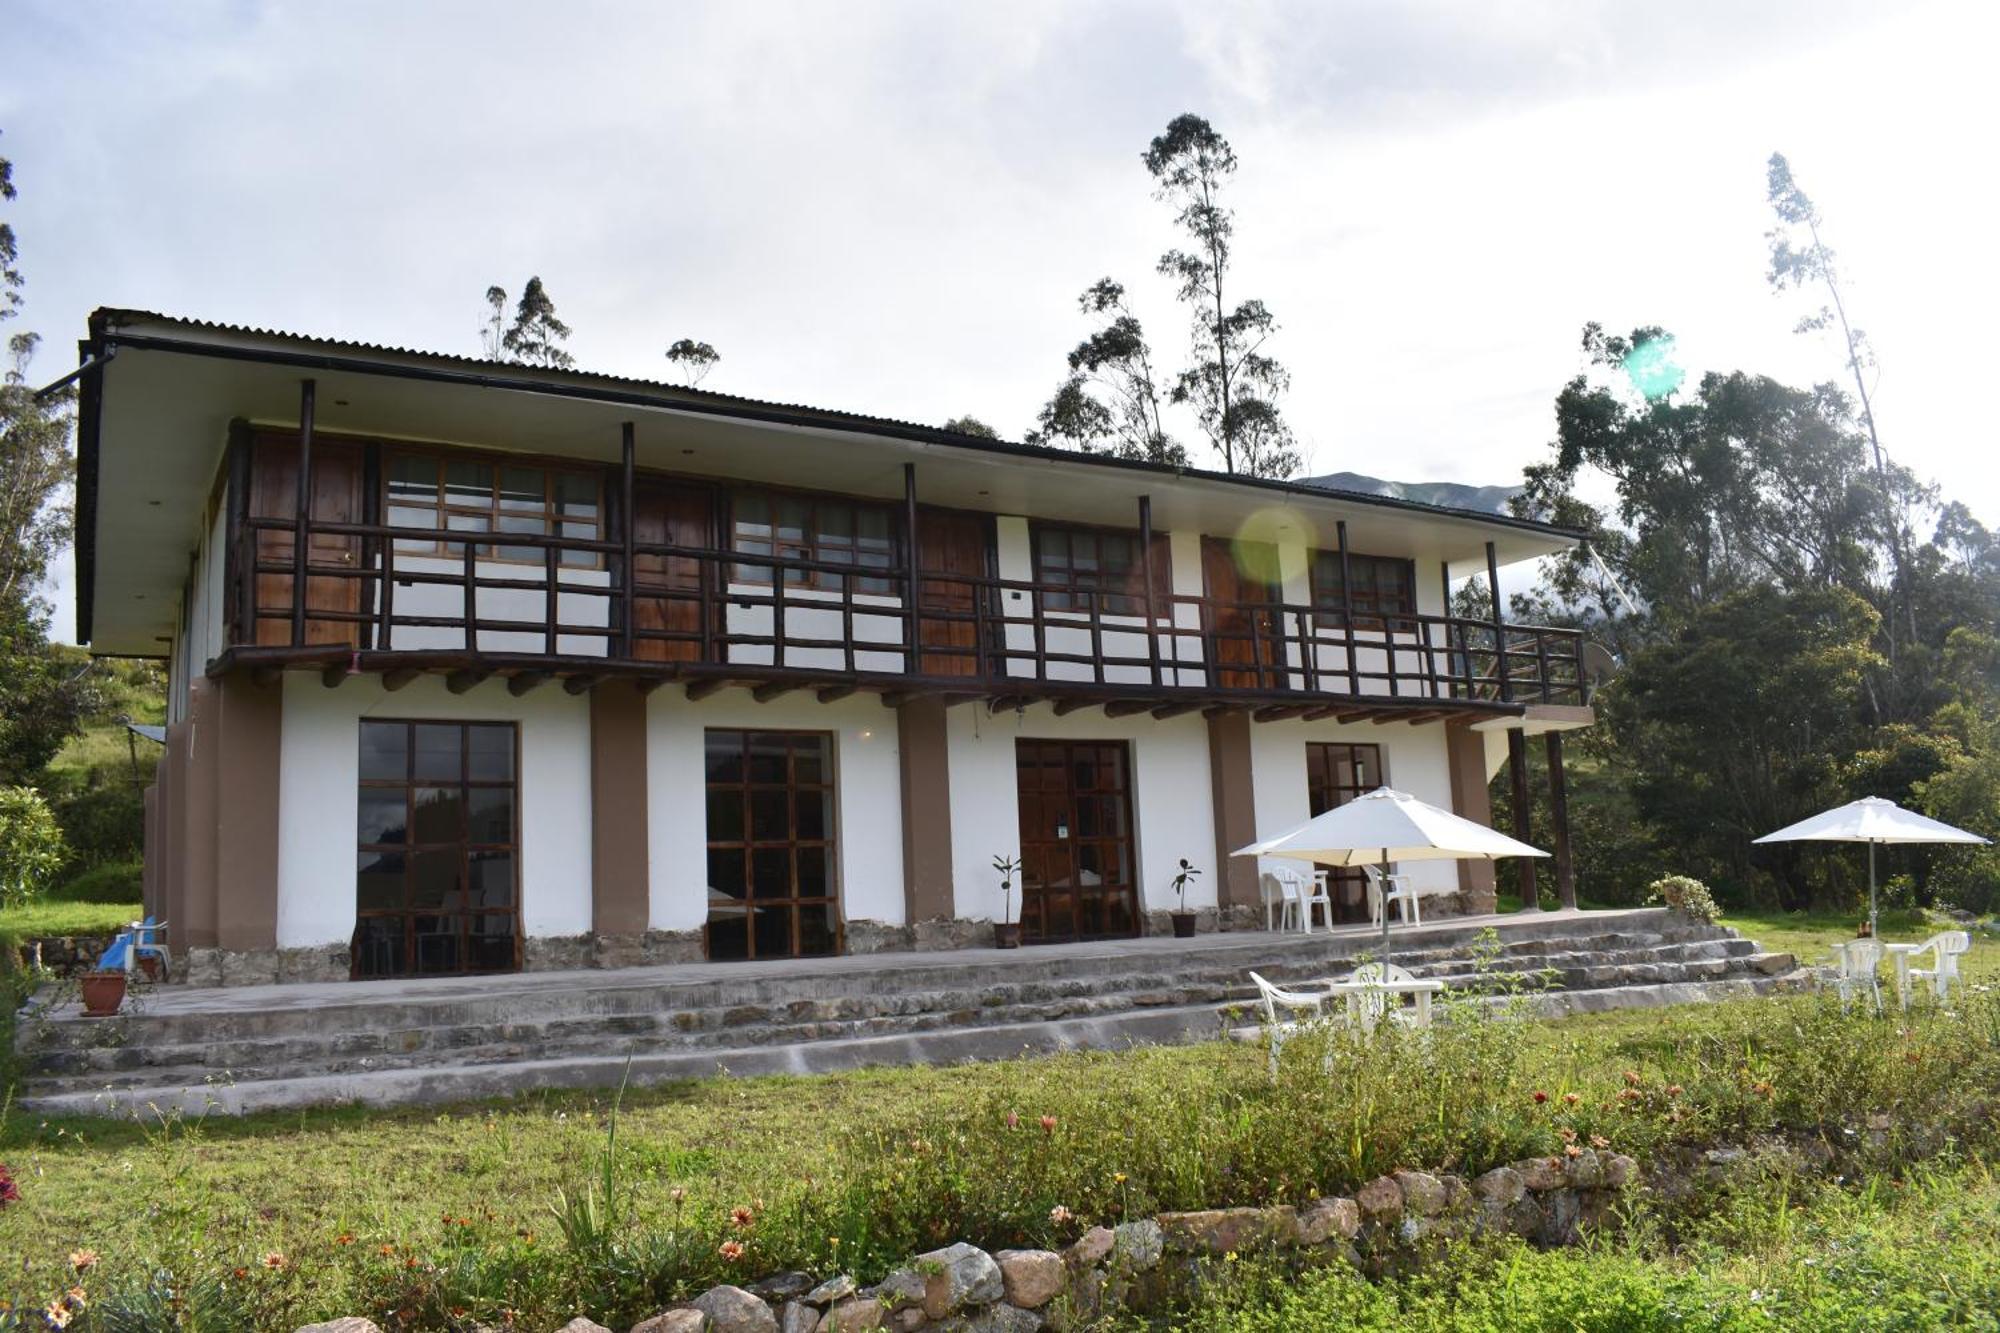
{"x": 442, "y": 507}
{"x": 465, "y": 845}
{"x": 816, "y": 545}
{"x": 748, "y": 844}
{"x": 1366, "y": 599}
{"x": 1346, "y": 885}
{"x": 1126, "y": 598}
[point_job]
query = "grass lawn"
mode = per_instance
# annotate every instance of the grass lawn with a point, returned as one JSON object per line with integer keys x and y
{"x": 65, "y": 918}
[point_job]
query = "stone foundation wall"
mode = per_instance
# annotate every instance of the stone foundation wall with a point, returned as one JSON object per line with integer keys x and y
{"x": 63, "y": 954}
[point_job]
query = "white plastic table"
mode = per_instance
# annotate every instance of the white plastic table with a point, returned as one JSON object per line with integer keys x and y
{"x": 1899, "y": 956}
{"x": 1422, "y": 988}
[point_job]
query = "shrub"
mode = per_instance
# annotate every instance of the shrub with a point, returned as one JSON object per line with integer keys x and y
{"x": 102, "y": 820}
{"x": 31, "y": 846}
{"x": 113, "y": 882}
{"x": 1686, "y": 895}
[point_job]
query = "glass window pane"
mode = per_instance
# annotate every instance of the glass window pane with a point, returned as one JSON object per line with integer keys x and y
{"x": 725, "y": 877}
{"x": 815, "y": 873}
{"x": 793, "y": 515}
{"x": 728, "y": 938}
{"x": 771, "y": 872}
{"x": 753, "y": 518}
{"x": 725, "y": 756}
{"x": 436, "y": 940}
{"x": 769, "y": 819}
{"x": 438, "y": 751}
{"x": 490, "y": 945}
{"x": 468, "y": 483}
{"x": 818, "y": 930}
{"x": 767, "y": 757}
{"x": 576, "y": 495}
{"x": 773, "y": 931}
{"x": 522, "y": 523}
{"x": 586, "y": 532}
{"x": 378, "y": 946}
{"x": 492, "y": 880}
{"x": 490, "y": 814}
{"x": 384, "y": 816}
{"x": 815, "y": 815}
{"x": 385, "y": 751}
{"x": 439, "y": 815}
{"x": 523, "y": 488}
{"x": 434, "y": 879}
{"x": 809, "y": 760}
{"x": 725, "y": 814}
{"x": 379, "y": 882}
{"x": 413, "y": 479}
{"x": 490, "y": 752}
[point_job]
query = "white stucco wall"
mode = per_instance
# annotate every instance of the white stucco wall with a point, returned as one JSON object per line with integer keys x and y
{"x": 1172, "y": 808}
{"x": 317, "y": 804}
{"x": 867, "y": 797}
{"x": 1414, "y": 760}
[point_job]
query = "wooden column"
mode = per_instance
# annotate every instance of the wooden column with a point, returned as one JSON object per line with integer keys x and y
{"x": 1229, "y": 775}
{"x": 244, "y": 750}
{"x": 304, "y": 513}
{"x": 922, "y": 753}
{"x": 1517, "y": 744}
{"x": 620, "y": 860}
{"x": 1146, "y": 555}
{"x": 627, "y": 485}
{"x": 912, "y": 561}
{"x": 1559, "y": 816}
{"x": 1347, "y": 610}
{"x": 1465, "y": 753}
{"x": 194, "y": 843}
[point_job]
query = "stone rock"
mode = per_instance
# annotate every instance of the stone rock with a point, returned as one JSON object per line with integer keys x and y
{"x": 734, "y": 1310}
{"x": 853, "y": 1315}
{"x": 831, "y": 1290}
{"x": 1323, "y": 1219}
{"x": 1501, "y": 1185}
{"x": 680, "y": 1320}
{"x": 781, "y": 1287}
{"x": 356, "y": 1324}
{"x": 1092, "y": 1248}
{"x": 994, "y": 1319}
{"x": 1137, "y": 1245}
{"x": 577, "y": 1325}
{"x": 1413, "y": 1229}
{"x": 902, "y": 1287}
{"x": 1541, "y": 1173}
{"x": 1618, "y": 1170}
{"x": 1524, "y": 1217}
{"x": 1032, "y": 1278}
{"x": 1560, "y": 1215}
{"x": 795, "y": 1317}
{"x": 1226, "y": 1230}
{"x": 909, "y": 1319}
{"x": 1584, "y": 1170}
{"x": 1423, "y": 1193}
{"x": 957, "y": 1276}
{"x": 1380, "y": 1200}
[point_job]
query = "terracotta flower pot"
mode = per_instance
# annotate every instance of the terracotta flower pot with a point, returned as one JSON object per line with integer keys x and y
{"x": 1007, "y": 935}
{"x": 103, "y": 993}
{"x": 150, "y": 965}
{"x": 1183, "y": 925}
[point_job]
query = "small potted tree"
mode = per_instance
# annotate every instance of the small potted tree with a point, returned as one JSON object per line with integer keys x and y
{"x": 1184, "y": 919}
{"x": 1007, "y": 931}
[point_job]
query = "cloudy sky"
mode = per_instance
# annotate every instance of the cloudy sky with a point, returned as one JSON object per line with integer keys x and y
{"x": 890, "y": 208}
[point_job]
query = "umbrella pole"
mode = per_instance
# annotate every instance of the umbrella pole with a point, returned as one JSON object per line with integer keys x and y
{"x": 1383, "y": 897}
{"x": 1873, "y": 932}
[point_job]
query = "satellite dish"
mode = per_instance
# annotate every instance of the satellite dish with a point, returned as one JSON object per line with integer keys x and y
{"x": 1598, "y": 666}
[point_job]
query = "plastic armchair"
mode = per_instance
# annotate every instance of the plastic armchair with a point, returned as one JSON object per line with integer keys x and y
{"x": 148, "y": 938}
{"x": 1399, "y": 893}
{"x": 1369, "y": 1006}
{"x": 1293, "y": 1002}
{"x": 1855, "y": 966}
{"x": 1303, "y": 898}
{"x": 117, "y": 958}
{"x": 1945, "y": 948}
{"x": 1273, "y": 894}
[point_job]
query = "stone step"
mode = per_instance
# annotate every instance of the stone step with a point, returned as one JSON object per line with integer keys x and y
{"x": 462, "y": 1082}
{"x": 154, "y": 1066}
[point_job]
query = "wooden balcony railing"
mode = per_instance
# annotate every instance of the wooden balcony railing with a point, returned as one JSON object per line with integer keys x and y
{"x": 378, "y": 588}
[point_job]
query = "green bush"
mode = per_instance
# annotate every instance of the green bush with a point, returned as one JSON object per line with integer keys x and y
{"x": 1686, "y": 895}
{"x": 112, "y": 882}
{"x": 31, "y": 846}
{"x": 102, "y": 820}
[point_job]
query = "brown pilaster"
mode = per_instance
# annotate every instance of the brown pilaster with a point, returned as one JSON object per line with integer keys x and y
{"x": 1465, "y": 751}
{"x": 171, "y": 805}
{"x": 1559, "y": 816}
{"x": 921, "y": 748}
{"x": 149, "y": 856}
{"x": 1517, "y": 773}
{"x": 1235, "y": 809}
{"x": 195, "y": 851}
{"x": 620, "y": 875}
{"x": 244, "y": 759}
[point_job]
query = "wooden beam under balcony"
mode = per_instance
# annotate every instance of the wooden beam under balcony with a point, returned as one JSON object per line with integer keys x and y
{"x": 395, "y": 678}
{"x": 829, "y": 694}
{"x": 1221, "y": 710}
{"x": 1165, "y": 711}
{"x": 1280, "y": 712}
{"x": 1420, "y": 715}
{"x": 581, "y": 683}
{"x": 458, "y": 682}
{"x": 647, "y": 684}
{"x": 700, "y": 689}
{"x": 1127, "y": 707}
{"x": 334, "y": 676}
{"x": 521, "y": 682}
{"x": 1064, "y": 707}
{"x": 775, "y": 689}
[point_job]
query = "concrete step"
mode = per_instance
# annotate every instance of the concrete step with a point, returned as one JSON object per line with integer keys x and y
{"x": 465, "y": 1082}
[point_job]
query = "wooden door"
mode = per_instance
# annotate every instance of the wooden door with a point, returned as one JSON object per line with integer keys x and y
{"x": 671, "y": 592}
{"x": 1246, "y": 644}
{"x": 954, "y": 544}
{"x": 331, "y": 558}
{"x": 1079, "y": 873}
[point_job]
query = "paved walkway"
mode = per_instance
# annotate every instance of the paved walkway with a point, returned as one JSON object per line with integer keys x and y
{"x": 1048, "y": 959}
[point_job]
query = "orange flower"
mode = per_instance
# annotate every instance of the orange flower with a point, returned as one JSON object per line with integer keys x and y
{"x": 1599, "y": 1141}
{"x": 274, "y": 1260}
{"x": 743, "y": 1218}
{"x": 1632, "y": 1077}
{"x": 1013, "y": 1121}
{"x": 241, "y": 1273}
{"x": 81, "y": 1260}
{"x": 1048, "y": 1124}
{"x": 1572, "y": 1151}
{"x": 344, "y": 1238}
{"x": 732, "y": 1250}
{"x": 1761, "y": 1089}
{"x": 385, "y": 1249}
{"x": 1673, "y": 1089}
{"x": 1571, "y": 1099}
{"x": 57, "y": 1314}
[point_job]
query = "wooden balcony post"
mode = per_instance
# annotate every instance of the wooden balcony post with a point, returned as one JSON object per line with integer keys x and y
{"x": 242, "y": 554}
{"x": 307, "y": 389}
{"x": 1559, "y": 816}
{"x": 1517, "y": 742}
{"x": 1146, "y": 558}
{"x": 1499, "y": 627}
{"x": 627, "y": 528}
{"x": 1347, "y": 609}
{"x": 913, "y": 652}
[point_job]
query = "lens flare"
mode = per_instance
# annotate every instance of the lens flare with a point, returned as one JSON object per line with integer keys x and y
{"x": 1254, "y": 547}
{"x": 1651, "y": 369}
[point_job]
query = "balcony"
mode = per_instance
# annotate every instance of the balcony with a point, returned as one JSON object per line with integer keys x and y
{"x": 534, "y": 606}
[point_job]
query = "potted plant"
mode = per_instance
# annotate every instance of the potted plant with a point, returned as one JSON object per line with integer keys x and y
{"x": 103, "y": 990}
{"x": 1007, "y": 931}
{"x": 1184, "y": 919}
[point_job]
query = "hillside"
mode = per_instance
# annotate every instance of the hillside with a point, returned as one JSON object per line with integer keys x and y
{"x": 1450, "y": 494}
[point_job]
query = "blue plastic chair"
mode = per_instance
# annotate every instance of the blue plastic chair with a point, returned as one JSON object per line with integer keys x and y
{"x": 147, "y": 942}
{"x": 117, "y": 958}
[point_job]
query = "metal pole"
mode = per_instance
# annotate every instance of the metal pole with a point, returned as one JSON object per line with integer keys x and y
{"x": 306, "y": 391}
{"x": 1874, "y": 928}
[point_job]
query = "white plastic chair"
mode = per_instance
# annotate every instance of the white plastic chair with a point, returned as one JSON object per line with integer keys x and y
{"x": 1369, "y": 1006}
{"x": 1400, "y": 893}
{"x": 1855, "y": 965}
{"x": 1273, "y": 895}
{"x": 1301, "y": 899}
{"x": 1945, "y": 949}
{"x": 1274, "y": 998}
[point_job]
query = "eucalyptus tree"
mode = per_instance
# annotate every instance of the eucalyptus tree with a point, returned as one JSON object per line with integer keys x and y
{"x": 693, "y": 359}
{"x": 1109, "y": 402}
{"x": 493, "y": 325}
{"x": 1232, "y": 385}
{"x": 536, "y": 336}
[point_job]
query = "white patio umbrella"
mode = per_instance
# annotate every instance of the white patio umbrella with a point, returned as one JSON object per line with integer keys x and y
{"x": 1388, "y": 825}
{"x": 1871, "y": 820}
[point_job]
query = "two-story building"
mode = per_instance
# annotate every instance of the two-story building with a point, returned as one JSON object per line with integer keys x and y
{"x": 477, "y": 667}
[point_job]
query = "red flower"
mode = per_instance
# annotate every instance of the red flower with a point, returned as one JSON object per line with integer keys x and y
{"x": 743, "y": 1218}
{"x": 1540, "y": 1096}
{"x": 9, "y": 1191}
{"x": 731, "y": 1250}
{"x": 1013, "y": 1121}
{"x": 1048, "y": 1124}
